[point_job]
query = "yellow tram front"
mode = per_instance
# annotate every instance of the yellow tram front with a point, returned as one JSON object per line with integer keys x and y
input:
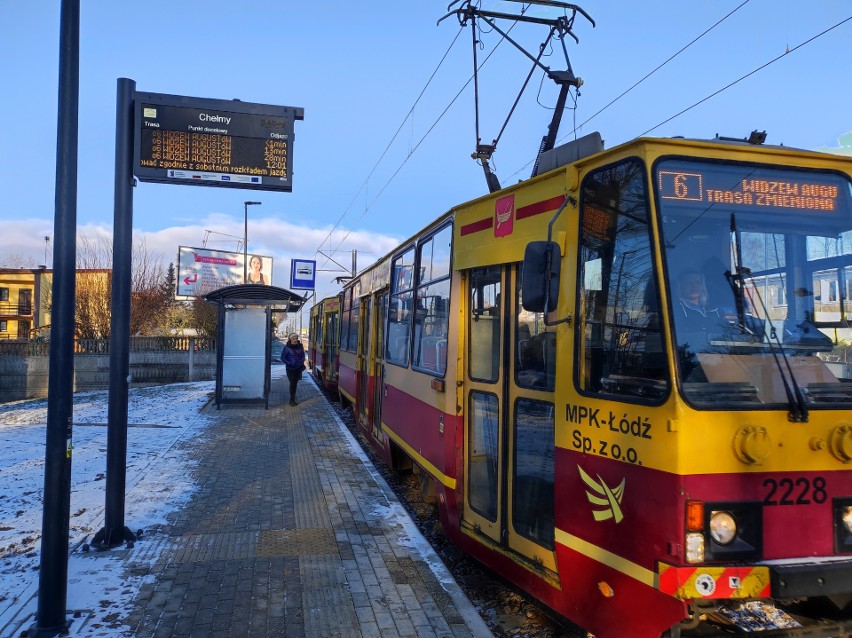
{"x": 701, "y": 321}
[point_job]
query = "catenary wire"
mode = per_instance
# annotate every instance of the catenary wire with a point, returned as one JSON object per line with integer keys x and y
{"x": 395, "y": 135}
{"x": 638, "y": 82}
{"x": 657, "y": 68}
{"x": 423, "y": 138}
{"x": 749, "y": 74}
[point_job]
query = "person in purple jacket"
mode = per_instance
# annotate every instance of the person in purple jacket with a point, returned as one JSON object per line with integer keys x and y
{"x": 293, "y": 356}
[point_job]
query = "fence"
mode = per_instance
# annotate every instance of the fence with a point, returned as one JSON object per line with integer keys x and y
{"x": 24, "y": 365}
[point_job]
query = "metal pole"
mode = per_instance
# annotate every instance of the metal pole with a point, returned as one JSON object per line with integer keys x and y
{"x": 114, "y": 532}
{"x": 53, "y": 571}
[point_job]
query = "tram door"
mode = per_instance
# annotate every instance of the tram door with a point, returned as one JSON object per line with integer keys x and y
{"x": 509, "y": 422}
{"x": 330, "y": 346}
{"x": 379, "y": 366}
{"x": 364, "y": 348}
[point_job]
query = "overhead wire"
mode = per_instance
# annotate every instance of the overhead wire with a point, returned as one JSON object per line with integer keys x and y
{"x": 763, "y": 66}
{"x": 620, "y": 96}
{"x": 412, "y": 150}
{"x": 660, "y": 66}
{"x": 395, "y": 135}
{"x": 638, "y": 82}
{"x": 425, "y": 135}
{"x": 749, "y": 74}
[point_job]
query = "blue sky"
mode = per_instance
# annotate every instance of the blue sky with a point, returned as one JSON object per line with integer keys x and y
{"x": 357, "y": 69}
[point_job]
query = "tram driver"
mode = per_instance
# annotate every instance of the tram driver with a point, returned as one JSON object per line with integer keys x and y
{"x": 694, "y": 311}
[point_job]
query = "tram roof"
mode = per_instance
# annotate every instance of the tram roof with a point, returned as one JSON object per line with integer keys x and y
{"x": 483, "y": 249}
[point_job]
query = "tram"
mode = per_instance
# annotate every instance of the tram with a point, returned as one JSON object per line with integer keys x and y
{"x": 322, "y": 342}
{"x": 626, "y": 382}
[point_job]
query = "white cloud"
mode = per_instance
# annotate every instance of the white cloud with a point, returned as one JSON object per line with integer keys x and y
{"x": 280, "y": 237}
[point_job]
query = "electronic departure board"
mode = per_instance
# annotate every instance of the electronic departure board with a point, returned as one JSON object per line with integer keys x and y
{"x": 207, "y": 142}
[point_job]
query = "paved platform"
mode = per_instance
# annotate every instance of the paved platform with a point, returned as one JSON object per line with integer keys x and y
{"x": 292, "y": 533}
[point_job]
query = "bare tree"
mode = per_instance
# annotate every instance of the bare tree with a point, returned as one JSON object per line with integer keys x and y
{"x": 147, "y": 306}
{"x": 16, "y": 260}
{"x": 205, "y": 317}
{"x": 93, "y": 303}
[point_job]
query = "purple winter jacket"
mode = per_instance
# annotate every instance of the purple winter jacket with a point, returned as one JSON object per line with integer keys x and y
{"x": 293, "y": 356}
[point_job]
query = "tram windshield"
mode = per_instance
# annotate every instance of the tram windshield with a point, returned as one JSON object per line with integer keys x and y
{"x": 759, "y": 272}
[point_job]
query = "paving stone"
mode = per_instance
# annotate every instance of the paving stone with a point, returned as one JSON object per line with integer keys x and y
{"x": 282, "y": 538}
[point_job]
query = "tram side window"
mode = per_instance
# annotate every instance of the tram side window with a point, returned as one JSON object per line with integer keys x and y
{"x": 345, "y": 319}
{"x": 356, "y": 311}
{"x": 331, "y": 337}
{"x": 535, "y": 349}
{"x": 349, "y": 319}
{"x": 621, "y": 344}
{"x": 400, "y": 309}
{"x": 316, "y": 330}
{"x": 484, "y": 323}
{"x": 431, "y": 314}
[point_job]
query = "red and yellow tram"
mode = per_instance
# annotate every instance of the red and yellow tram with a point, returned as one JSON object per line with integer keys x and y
{"x": 626, "y": 380}
{"x": 322, "y": 342}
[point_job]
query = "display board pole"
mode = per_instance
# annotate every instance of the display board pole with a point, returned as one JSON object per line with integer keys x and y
{"x": 114, "y": 532}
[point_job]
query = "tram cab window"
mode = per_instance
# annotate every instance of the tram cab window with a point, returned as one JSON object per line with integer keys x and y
{"x": 619, "y": 328}
{"x": 770, "y": 249}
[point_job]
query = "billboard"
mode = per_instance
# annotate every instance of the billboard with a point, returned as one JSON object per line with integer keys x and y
{"x": 201, "y": 270}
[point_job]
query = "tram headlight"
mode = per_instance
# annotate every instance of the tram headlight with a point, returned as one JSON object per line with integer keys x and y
{"x": 723, "y": 527}
{"x": 843, "y": 524}
{"x": 846, "y": 517}
{"x": 694, "y": 547}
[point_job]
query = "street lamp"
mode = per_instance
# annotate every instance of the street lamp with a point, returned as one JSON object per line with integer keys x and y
{"x": 245, "y": 241}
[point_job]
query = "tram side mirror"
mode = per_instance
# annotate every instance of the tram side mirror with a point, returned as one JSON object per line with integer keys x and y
{"x": 540, "y": 276}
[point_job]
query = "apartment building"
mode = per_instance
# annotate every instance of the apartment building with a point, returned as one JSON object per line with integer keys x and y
{"x": 24, "y": 302}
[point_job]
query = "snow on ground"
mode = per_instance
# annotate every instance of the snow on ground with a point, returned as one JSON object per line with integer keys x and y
{"x": 157, "y": 483}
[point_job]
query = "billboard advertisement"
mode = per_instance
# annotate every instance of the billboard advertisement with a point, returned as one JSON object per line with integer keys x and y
{"x": 201, "y": 270}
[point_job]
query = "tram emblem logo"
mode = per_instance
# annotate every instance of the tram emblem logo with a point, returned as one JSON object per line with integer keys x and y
{"x": 605, "y": 500}
{"x": 504, "y": 216}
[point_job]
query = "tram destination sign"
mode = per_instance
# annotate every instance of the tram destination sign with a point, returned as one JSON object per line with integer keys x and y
{"x": 209, "y": 142}
{"x": 751, "y": 188}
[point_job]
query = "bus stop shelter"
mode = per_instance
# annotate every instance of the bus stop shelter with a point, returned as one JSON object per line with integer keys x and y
{"x": 244, "y": 339}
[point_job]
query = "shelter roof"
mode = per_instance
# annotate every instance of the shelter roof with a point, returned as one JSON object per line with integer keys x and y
{"x": 256, "y": 295}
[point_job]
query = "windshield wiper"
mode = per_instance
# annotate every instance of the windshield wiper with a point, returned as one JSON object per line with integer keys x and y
{"x": 798, "y": 409}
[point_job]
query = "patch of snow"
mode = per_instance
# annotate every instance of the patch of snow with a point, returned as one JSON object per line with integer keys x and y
{"x": 157, "y": 484}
